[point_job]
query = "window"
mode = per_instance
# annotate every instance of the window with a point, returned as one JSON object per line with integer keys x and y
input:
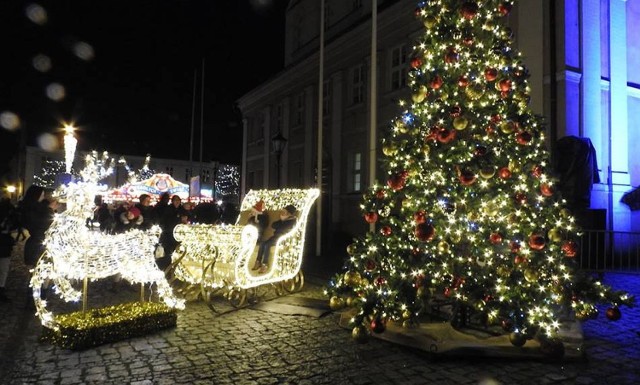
{"x": 298, "y": 110}
{"x": 357, "y": 4}
{"x": 326, "y": 99}
{"x": 357, "y": 84}
{"x": 187, "y": 174}
{"x": 355, "y": 172}
{"x": 257, "y": 129}
{"x": 399, "y": 67}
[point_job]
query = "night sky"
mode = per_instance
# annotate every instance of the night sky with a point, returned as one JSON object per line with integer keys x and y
{"x": 127, "y": 70}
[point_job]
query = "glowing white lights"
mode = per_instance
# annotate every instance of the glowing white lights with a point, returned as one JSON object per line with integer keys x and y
{"x": 219, "y": 256}
{"x": 75, "y": 252}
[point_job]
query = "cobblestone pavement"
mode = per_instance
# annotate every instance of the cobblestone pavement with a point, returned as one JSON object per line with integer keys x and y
{"x": 247, "y": 346}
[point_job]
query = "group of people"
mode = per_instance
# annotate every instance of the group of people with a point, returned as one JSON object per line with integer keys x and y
{"x": 168, "y": 212}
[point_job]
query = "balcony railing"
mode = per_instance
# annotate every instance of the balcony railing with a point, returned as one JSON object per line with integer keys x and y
{"x": 610, "y": 251}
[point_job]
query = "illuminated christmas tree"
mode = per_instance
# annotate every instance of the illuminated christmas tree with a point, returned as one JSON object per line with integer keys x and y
{"x": 49, "y": 172}
{"x": 468, "y": 217}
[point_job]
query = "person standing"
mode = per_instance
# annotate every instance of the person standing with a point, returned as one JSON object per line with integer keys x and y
{"x": 36, "y": 215}
{"x": 7, "y": 226}
{"x": 172, "y": 216}
{"x": 146, "y": 211}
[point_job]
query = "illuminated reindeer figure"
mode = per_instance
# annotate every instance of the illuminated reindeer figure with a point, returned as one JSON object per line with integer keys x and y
{"x": 75, "y": 252}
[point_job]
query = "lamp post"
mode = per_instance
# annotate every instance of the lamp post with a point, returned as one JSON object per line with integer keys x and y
{"x": 216, "y": 165}
{"x": 278, "y": 142}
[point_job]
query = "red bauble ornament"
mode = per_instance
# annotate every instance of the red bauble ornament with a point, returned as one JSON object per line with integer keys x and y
{"x": 613, "y": 313}
{"x": 480, "y": 151}
{"x": 467, "y": 178}
{"x": 370, "y": 265}
{"x": 490, "y": 129}
{"x": 495, "y": 238}
{"x": 385, "y": 230}
{"x": 507, "y": 324}
{"x": 419, "y": 217}
{"x": 380, "y": 194}
{"x": 416, "y": 62}
{"x": 436, "y": 82}
{"x": 380, "y": 281}
{"x": 451, "y": 56}
{"x": 519, "y": 259}
{"x": 469, "y": 10}
{"x": 504, "y": 85}
{"x": 371, "y": 217}
{"x": 419, "y": 280}
{"x": 536, "y": 242}
{"x": 490, "y": 74}
{"x": 445, "y": 135}
{"x": 570, "y": 249}
{"x": 523, "y": 138}
{"x": 520, "y": 197}
{"x": 467, "y": 40}
{"x": 504, "y": 9}
{"x": 447, "y": 292}
{"x": 496, "y": 118}
{"x": 397, "y": 182}
{"x": 537, "y": 171}
{"x": 463, "y": 81}
{"x": 424, "y": 232}
{"x": 377, "y": 325}
{"x": 546, "y": 190}
{"x": 455, "y": 111}
{"x": 504, "y": 173}
{"x": 515, "y": 246}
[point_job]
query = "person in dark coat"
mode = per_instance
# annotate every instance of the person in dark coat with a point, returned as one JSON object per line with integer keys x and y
{"x": 8, "y": 224}
{"x": 172, "y": 216}
{"x": 36, "y": 215}
{"x": 146, "y": 211}
{"x": 284, "y": 224}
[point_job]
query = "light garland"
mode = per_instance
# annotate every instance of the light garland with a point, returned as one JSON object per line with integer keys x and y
{"x": 75, "y": 252}
{"x": 218, "y": 256}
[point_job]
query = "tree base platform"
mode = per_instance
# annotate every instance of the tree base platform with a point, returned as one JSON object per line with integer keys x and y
{"x": 440, "y": 338}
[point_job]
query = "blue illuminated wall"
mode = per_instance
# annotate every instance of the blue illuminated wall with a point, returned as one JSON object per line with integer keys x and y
{"x": 602, "y": 95}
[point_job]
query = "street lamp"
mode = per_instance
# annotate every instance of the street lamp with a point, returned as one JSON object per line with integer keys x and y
{"x": 278, "y": 142}
{"x": 11, "y": 189}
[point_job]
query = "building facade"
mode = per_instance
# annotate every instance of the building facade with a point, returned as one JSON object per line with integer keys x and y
{"x": 579, "y": 53}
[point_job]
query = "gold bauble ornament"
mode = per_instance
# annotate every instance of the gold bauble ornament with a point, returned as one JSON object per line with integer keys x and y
{"x": 430, "y": 21}
{"x": 443, "y": 247}
{"x": 406, "y": 314}
{"x": 565, "y": 213}
{"x": 555, "y": 235}
{"x": 349, "y": 301}
{"x": 389, "y": 149}
{"x": 503, "y": 271}
{"x": 460, "y": 123}
{"x": 336, "y": 303}
{"x": 352, "y": 278}
{"x": 455, "y": 237}
{"x": 360, "y": 334}
{"x": 514, "y": 166}
{"x": 351, "y": 249}
{"x": 487, "y": 172}
{"x": 506, "y": 127}
{"x": 426, "y": 149}
{"x": 531, "y": 275}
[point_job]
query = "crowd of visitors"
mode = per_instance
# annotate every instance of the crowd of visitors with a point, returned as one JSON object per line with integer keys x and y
{"x": 29, "y": 220}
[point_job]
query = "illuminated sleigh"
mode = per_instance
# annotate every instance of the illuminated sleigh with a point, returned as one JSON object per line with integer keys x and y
{"x": 214, "y": 258}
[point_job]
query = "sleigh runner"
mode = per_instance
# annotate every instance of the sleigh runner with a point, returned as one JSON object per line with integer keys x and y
{"x": 213, "y": 258}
